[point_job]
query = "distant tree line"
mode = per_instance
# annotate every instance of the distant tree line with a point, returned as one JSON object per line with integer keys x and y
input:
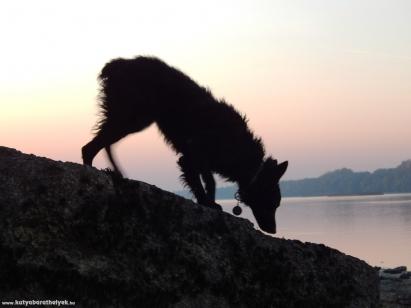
{"x": 347, "y": 182}
{"x": 341, "y": 182}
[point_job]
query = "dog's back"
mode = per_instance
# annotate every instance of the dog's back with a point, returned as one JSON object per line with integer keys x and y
{"x": 190, "y": 118}
{"x": 148, "y": 83}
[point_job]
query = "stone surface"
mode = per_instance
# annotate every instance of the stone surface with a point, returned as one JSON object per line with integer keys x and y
{"x": 405, "y": 275}
{"x": 395, "y": 270}
{"x": 74, "y": 233}
{"x": 395, "y": 287}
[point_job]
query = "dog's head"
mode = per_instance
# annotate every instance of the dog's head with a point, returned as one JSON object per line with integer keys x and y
{"x": 263, "y": 194}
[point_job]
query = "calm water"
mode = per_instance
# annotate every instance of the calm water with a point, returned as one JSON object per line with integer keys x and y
{"x": 376, "y": 229}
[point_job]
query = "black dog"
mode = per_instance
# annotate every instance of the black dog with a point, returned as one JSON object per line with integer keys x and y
{"x": 211, "y": 136}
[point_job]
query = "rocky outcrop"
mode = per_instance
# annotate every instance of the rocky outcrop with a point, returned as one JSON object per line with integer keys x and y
{"x": 395, "y": 287}
{"x": 70, "y": 232}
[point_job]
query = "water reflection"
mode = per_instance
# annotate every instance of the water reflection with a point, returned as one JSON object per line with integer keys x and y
{"x": 376, "y": 229}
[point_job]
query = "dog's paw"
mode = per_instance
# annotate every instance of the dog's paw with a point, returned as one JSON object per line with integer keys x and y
{"x": 213, "y": 205}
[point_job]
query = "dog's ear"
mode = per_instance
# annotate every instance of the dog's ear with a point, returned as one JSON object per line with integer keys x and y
{"x": 269, "y": 167}
{"x": 271, "y": 172}
{"x": 280, "y": 169}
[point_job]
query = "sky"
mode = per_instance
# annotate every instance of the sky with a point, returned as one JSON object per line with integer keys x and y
{"x": 325, "y": 83}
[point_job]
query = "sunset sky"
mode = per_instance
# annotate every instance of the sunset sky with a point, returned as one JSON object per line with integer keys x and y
{"x": 325, "y": 83}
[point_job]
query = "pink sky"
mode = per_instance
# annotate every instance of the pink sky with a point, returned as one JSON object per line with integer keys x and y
{"x": 326, "y": 84}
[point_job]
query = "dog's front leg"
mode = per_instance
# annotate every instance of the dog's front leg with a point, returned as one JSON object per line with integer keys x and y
{"x": 191, "y": 177}
{"x": 209, "y": 182}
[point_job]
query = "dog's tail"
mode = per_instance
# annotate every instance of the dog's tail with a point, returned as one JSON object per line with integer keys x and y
{"x": 114, "y": 68}
{"x": 109, "y": 80}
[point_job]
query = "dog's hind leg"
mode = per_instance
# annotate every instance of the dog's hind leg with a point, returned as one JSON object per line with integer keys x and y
{"x": 104, "y": 138}
{"x": 112, "y": 160}
{"x": 191, "y": 177}
{"x": 111, "y": 132}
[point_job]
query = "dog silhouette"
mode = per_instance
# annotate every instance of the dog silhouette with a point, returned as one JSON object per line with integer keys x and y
{"x": 209, "y": 135}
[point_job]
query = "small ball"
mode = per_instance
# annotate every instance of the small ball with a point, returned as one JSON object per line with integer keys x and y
{"x": 237, "y": 210}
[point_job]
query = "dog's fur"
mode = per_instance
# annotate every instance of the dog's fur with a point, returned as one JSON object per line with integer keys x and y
{"x": 210, "y": 135}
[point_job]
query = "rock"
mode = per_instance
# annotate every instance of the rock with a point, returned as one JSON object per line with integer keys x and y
{"x": 384, "y": 275}
{"x": 396, "y": 293}
{"x": 395, "y": 287}
{"x": 405, "y": 275}
{"x": 396, "y": 270}
{"x": 74, "y": 233}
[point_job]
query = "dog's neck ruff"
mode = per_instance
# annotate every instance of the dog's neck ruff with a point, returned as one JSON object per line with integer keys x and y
{"x": 253, "y": 179}
{"x": 257, "y": 173}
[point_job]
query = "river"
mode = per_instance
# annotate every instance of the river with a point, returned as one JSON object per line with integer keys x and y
{"x": 376, "y": 228}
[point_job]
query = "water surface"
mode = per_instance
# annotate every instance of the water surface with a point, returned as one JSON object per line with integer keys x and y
{"x": 376, "y": 229}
